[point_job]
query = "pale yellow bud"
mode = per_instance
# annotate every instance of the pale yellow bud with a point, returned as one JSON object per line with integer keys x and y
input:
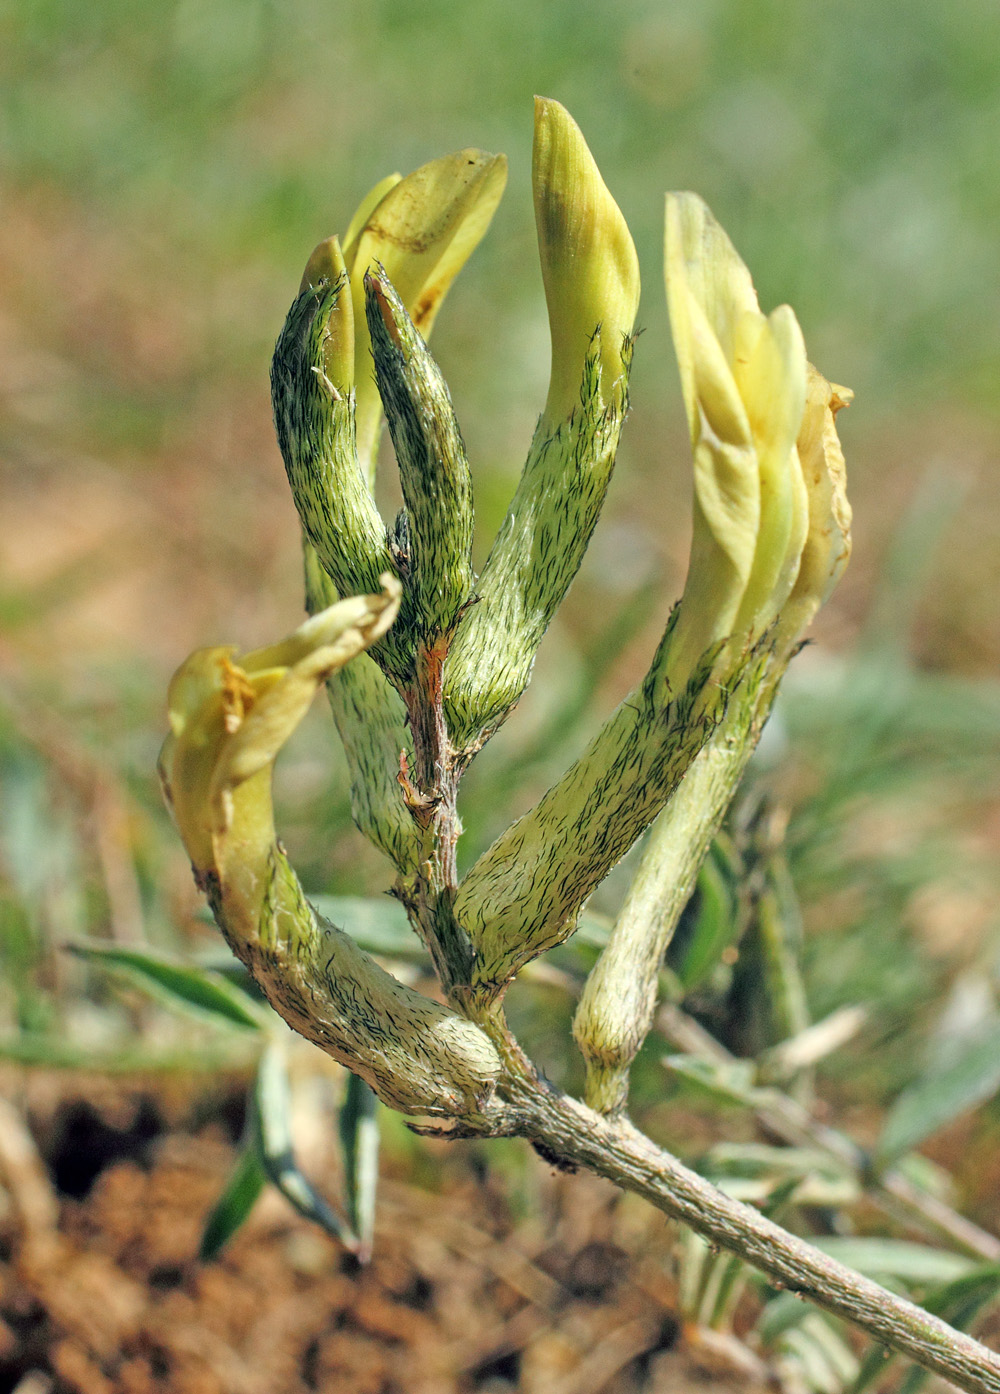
{"x": 743, "y": 379}
{"x": 230, "y": 716}
{"x": 589, "y": 264}
{"x": 422, "y": 230}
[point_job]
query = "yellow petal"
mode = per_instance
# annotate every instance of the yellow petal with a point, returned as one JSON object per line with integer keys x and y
{"x": 772, "y": 381}
{"x": 229, "y": 719}
{"x": 589, "y": 263}
{"x": 827, "y": 547}
{"x": 422, "y": 231}
{"x": 198, "y": 704}
{"x": 370, "y": 615}
{"x": 726, "y": 477}
{"x": 743, "y": 377}
{"x": 285, "y": 678}
{"x": 363, "y": 212}
{"x": 701, "y": 256}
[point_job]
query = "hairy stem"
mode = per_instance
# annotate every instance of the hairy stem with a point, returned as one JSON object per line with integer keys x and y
{"x": 430, "y": 791}
{"x": 570, "y": 1131}
{"x": 790, "y": 1121}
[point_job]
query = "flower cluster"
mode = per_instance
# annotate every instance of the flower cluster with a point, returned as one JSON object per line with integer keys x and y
{"x": 449, "y": 652}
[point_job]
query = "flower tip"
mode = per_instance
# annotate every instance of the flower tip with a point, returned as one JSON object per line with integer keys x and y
{"x": 325, "y": 265}
{"x": 589, "y": 263}
{"x": 326, "y": 276}
{"x": 550, "y": 113}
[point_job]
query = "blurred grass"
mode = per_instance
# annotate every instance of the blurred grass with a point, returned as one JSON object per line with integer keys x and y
{"x": 166, "y": 170}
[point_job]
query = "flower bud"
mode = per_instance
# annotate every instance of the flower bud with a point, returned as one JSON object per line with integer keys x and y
{"x": 743, "y": 379}
{"x": 589, "y": 266}
{"x": 324, "y": 268}
{"x": 229, "y": 719}
{"x": 422, "y": 231}
{"x": 312, "y": 392}
{"x": 591, "y": 278}
{"x": 433, "y": 468}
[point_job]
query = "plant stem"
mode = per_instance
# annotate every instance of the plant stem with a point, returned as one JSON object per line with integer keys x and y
{"x": 431, "y": 796}
{"x": 571, "y": 1132}
{"x": 567, "y": 1132}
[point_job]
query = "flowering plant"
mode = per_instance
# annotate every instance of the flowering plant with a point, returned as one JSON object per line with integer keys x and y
{"x": 423, "y": 660}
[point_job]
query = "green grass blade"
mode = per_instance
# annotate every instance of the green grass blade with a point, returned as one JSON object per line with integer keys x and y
{"x": 234, "y": 1205}
{"x": 176, "y": 983}
{"x": 359, "y": 1139}
{"x": 272, "y": 1109}
{"x": 970, "y": 1078}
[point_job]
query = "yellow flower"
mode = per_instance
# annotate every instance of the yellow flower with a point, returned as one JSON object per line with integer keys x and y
{"x": 230, "y": 716}
{"x": 743, "y": 376}
{"x": 422, "y": 229}
{"x": 589, "y": 264}
{"x": 827, "y": 547}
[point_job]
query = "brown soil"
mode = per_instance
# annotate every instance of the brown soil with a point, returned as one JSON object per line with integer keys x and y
{"x": 472, "y": 1286}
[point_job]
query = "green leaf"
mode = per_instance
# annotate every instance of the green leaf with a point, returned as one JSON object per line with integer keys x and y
{"x": 593, "y": 929}
{"x": 730, "y": 1083}
{"x": 58, "y": 1053}
{"x": 779, "y": 1315}
{"x": 234, "y": 1205}
{"x": 824, "y": 1359}
{"x": 959, "y": 1301}
{"x": 359, "y": 1139}
{"x": 176, "y": 983}
{"x": 970, "y": 1078}
{"x": 875, "y": 1364}
{"x": 759, "y": 1159}
{"x": 713, "y": 930}
{"x": 272, "y": 1112}
{"x": 916, "y": 1265}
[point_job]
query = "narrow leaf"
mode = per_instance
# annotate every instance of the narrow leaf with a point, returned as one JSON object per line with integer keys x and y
{"x": 826, "y": 1361}
{"x": 59, "y": 1053}
{"x": 176, "y": 983}
{"x": 272, "y": 1107}
{"x": 913, "y": 1264}
{"x": 234, "y": 1205}
{"x": 970, "y": 1078}
{"x": 359, "y": 1139}
{"x": 730, "y": 1083}
{"x": 376, "y": 923}
{"x": 714, "y": 926}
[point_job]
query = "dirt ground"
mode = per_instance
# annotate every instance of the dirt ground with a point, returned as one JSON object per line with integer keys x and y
{"x": 104, "y": 1196}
